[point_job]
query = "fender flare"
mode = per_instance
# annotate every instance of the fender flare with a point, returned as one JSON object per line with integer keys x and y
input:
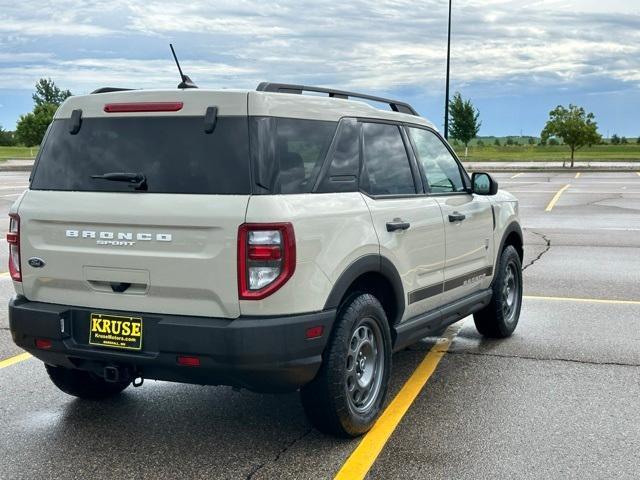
{"x": 511, "y": 228}
{"x": 367, "y": 264}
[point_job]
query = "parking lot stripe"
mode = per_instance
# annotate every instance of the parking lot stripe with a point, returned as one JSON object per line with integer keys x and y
{"x": 362, "y": 458}
{"x": 555, "y": 198}
{"x": 516, "y": 175}
{"x": 578, "y": 175}
{"x": 638, "y": 173}
{"x": 584, "y": 300}
{"x": 15, "y": 359}
{"x": 4, "y": 274}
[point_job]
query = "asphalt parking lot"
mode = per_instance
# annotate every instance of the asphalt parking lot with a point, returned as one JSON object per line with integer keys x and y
{"x": 558, "y": 399}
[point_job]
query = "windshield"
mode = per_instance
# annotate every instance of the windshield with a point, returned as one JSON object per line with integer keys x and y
{"x": 174, "y": 154}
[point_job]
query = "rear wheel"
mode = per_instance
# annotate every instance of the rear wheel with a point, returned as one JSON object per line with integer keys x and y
{"x": 347, "y": 395}
{"x": 83, "y": 384}
{"x": 500, "y": 318}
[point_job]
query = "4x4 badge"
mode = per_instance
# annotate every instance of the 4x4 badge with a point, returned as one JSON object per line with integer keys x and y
{"x": 36, "y": 262}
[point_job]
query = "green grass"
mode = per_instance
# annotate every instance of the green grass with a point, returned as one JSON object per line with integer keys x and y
{"x": 17, "y": 152}
{"x": 538, "y": 153}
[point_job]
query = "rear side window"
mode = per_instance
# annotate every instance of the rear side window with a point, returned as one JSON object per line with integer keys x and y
{"x": 174, "y": 153}
{"x": 386, "y": 162}
{"x": 288, "y": 153}
{"x": 342, "y": 174}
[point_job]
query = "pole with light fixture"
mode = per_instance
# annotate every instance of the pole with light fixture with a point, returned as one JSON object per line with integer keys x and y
{"x": 446, "y": 101}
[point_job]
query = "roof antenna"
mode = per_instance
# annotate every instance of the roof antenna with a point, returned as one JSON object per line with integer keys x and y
{"x": 186, "y": 81}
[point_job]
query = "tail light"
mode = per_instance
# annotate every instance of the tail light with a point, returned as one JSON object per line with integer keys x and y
{"x": 13, "y": 239}
{"x": 266, "y": 258}
{"x": 43, "y": 343}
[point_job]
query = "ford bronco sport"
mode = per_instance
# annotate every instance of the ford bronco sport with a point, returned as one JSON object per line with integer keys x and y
{"x": 268, "y": 240}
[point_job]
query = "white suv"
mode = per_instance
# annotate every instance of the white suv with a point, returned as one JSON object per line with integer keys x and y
{"x": 268, "y": 239}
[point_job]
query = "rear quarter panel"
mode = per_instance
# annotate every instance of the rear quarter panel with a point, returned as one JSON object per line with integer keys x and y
{"x": 332, "y": 230}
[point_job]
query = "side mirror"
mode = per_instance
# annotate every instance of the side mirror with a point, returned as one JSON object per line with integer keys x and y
{"x": 484, "y": 184}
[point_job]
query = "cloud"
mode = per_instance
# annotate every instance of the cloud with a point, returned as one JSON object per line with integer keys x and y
{"x": 500, "y": 47}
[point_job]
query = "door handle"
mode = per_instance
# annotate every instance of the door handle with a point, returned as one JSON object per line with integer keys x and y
{"x": 397, "y": 224}
{"x": 457, "y": 217}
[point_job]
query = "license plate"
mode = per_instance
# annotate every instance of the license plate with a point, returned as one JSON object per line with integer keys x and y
{"x": 115, "y": 331}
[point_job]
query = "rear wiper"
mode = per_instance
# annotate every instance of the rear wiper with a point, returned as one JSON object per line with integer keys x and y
{"x": 136, "y": 180}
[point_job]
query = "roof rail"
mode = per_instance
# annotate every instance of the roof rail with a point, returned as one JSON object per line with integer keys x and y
{"x": 110, "y": 89}
{"x": 395, "y": 105}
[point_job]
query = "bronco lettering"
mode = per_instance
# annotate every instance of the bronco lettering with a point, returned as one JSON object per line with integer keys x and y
{"x": 119, "y": 239}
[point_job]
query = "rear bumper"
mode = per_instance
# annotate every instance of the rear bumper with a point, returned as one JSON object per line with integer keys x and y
{"x": 268, "y": 354}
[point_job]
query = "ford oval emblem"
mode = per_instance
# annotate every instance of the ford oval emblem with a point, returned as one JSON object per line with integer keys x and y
{"x": 36, "y": 262}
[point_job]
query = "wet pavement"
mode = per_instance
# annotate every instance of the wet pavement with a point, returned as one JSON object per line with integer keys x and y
{"x": 558, "y": 399}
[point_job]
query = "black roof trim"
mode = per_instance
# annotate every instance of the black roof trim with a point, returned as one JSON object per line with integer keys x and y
{"x": 396, "y": 106}
{"x": 110, "y": 89}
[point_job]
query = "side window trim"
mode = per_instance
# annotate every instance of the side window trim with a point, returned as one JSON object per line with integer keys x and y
{"x": 413, "y": 162}
{"x": 463, "y": 173}
{"x": 418, "y": 191}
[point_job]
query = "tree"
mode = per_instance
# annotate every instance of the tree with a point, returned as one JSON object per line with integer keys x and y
{"x": 574, "y": 126}
{"x": 553, "y": 142}
{"x": 623, "y": 140}
{"x": 48, "y": 92}
{"x": 31, "y": 127}
{"x": 480, "y": 143}
{"x": 6, "y": 138}
{"x": 496, "y": 142}
{"x": 464, "y": 124}
{"x": 615, "y": 140}
{"x": 531, "y": 141}
{"x": 510, "y": 141}
{"x": 638, "y": 140}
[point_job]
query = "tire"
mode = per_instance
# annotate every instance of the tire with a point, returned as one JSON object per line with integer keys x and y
{"x": 348, "y": 393}
{"x": 500, "y": 318}
{"x": 82, "y": 384}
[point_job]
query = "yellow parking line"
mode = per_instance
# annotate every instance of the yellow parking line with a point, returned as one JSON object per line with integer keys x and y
{"x": 516, "y": 175}
{"x": 578, "y": 174}
{"x": 556, "y": 197}
{"x": 367, "y": 451}
{"x": 584, "y": 300}
{"x": 16, "y": 359}
{"x": 4, "y": 274}
{"x": 638, "y": 173}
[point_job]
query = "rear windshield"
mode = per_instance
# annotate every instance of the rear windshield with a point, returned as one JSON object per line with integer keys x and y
{"x": 173, "y": 153}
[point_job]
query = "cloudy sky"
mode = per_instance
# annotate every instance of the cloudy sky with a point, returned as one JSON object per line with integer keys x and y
{"x": 516, "y": 59}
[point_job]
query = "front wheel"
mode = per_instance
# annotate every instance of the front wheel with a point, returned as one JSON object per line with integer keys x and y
{"x": 347, "y": 395}
{"x": 500, "y": 318}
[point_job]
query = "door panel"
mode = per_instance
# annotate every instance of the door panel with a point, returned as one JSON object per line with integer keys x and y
{"x": 469, "y": 250}
{"x": 409, "y": 226}
{"x": 468, "y": 218}
{"x": 418, "y": 252}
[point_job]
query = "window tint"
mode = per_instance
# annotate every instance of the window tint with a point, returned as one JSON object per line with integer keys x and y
{"x": 439, "y": 166}
{"x": 342, "y": 175}
{"x": 174, "y": 153}
{"x": 386, "y": 162}
{"x": 288, "y": 153}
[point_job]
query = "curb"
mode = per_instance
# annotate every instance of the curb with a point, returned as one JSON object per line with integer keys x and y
{"x": 16, "y": 168}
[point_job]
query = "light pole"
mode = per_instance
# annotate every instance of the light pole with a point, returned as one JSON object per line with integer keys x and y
{"x": 446, "y": 101}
